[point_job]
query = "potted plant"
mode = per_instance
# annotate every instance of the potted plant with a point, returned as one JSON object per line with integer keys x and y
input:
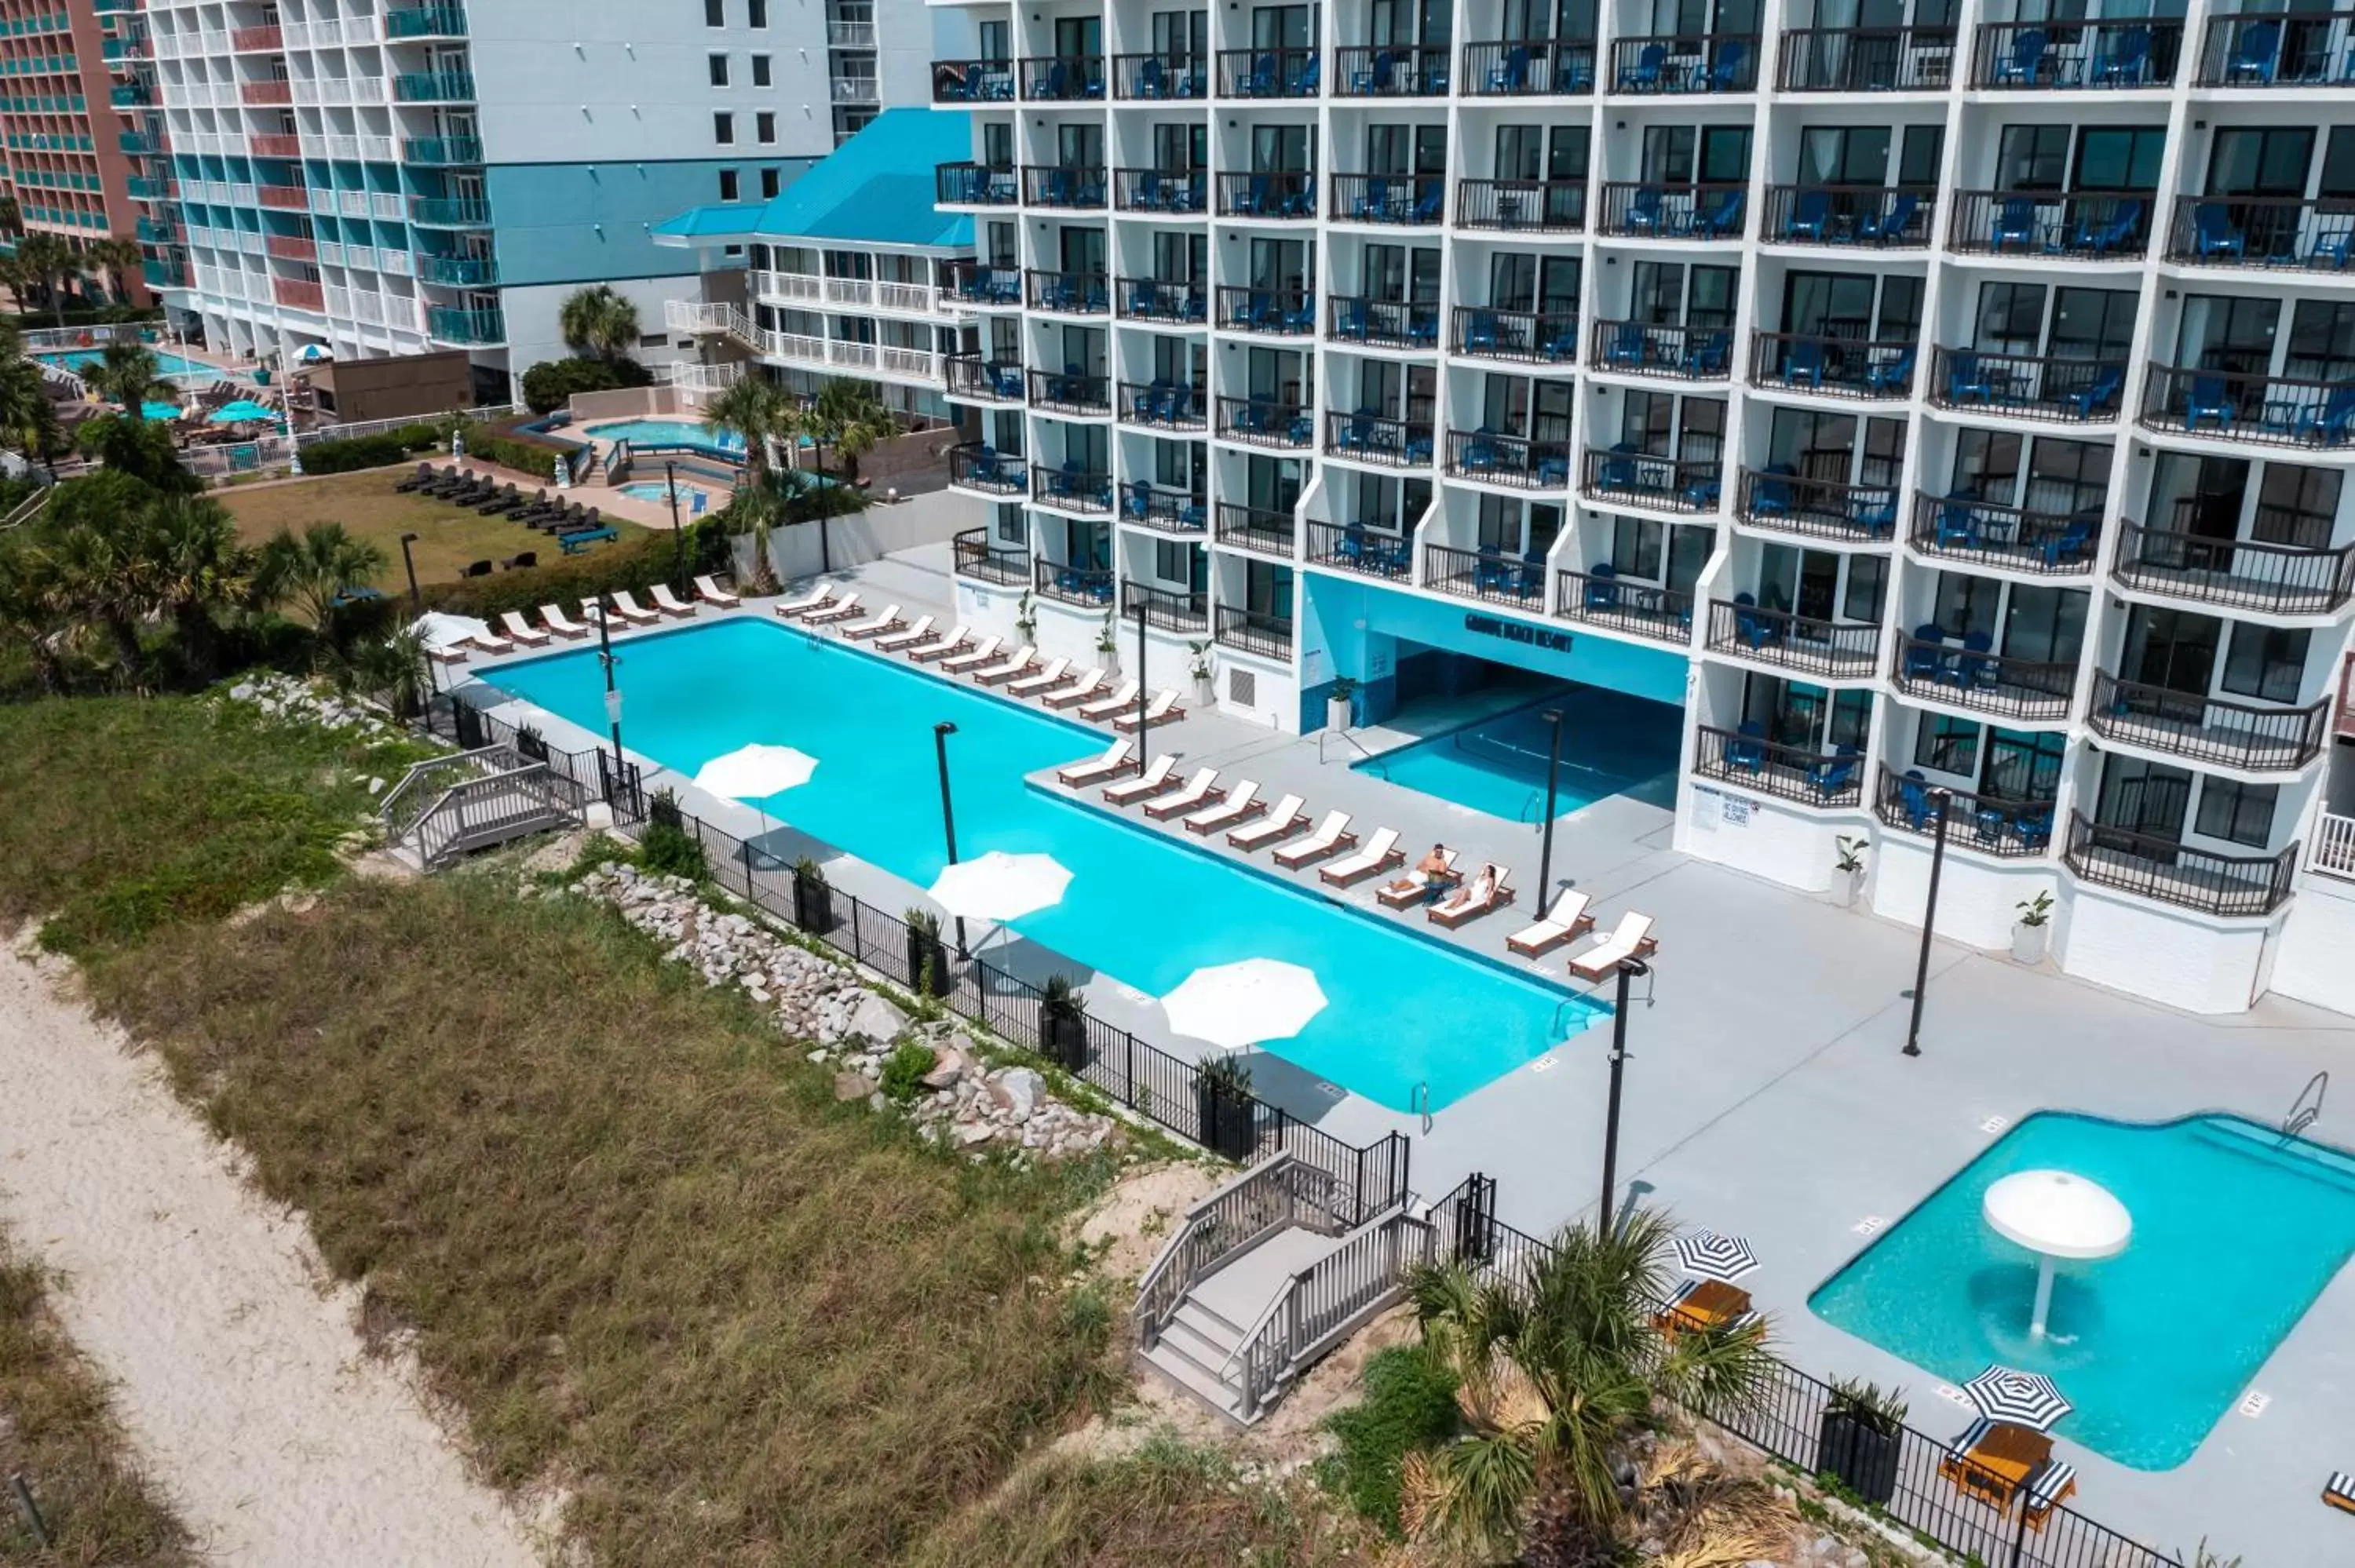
{"x": 531, "y": 744}
{"x": 1198, "y": 664}
{"x": 2031, "y": 931}
{"x": 1026, "y": 616}
{"x": 1222, "y": 1099}
{"x": 1857, "y": 1441}
{"x": 1848, "y": 869}
{"x": 1063, "y": 1024}
{"x": 1340, "y": 707}
{"x": 812, "y": 898}
{"x": 928, "y": 956}
{"x": 1108, "y": 645}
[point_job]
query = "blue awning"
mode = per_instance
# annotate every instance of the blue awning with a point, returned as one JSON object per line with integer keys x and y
{"x": 875, "y": 189}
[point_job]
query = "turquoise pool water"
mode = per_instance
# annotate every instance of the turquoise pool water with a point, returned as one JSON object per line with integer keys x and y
{"x": 166, "y": 363}
{"x": 240, "y": 412}
{"x": 166, "y": 411}
{"x": 687, "y": 433}
{"x": 659, "y": 493}
{"x": 2235, "y": 1234}
{"x": 1141, "y": 909}
{"x": 1612, "y": 743}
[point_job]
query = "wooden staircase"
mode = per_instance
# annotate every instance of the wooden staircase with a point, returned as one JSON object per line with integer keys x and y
{"x": 451, "y": 806}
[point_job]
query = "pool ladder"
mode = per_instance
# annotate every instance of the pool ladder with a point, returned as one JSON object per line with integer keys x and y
{"x": 1419, "y": 1103}
{"x": 2301, "y": 1114}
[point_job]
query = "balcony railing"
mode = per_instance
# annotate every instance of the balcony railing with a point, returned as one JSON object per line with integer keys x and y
{"x": 1062, "y": 79}
{"x": 1169, "y": 611}
{"x": 1817, "y": 508}
{"x": 1353, "y": 546}
{"x": 433, "y": 86}
{"x": 450, "y": 212}
{"x": 448, "y": 323}
{"x": 2164, "y": 871}
{"x": 1988, "y": 823}
{"x": 1510, "y": 459}
{"x": 1679, "y": 484}
{"x": 1636, "y": 210}
{"x": 1090, "y": 588}
{"x": 2025, "y": 386}
{"x": 2241, "y": 574}
{"x": 1286, "y": 312}
{"x": 1529, "y": 67}
{"x": 977, "y": 556}
{"x": 980, "y": 284}
{"x": 1880, "y": 217}
{"x": 1161, "y": 299}
{"x": 1797, "y": 773}
{"x": 2333, "y": 853}
{"x": 1074, "y": 293}
{"x": 975, "y": 185}
{"x": 1149, "y": 505}
{"x": 1265, "y": 423}
{"x": 1378, "y": 439}
{"x": 1390, "y": 70}
{"x": 1388, "y": 323}
{"x": 443, "y": 150}
{"x": 2129, "y": 52}
{"x": 1254, "y": 632}
{"x": 1488, "y": 575}
{"x": 1679, "y": 353}
{"x": 1072, "y": 488}
{"x": 1160, "y": 190}
{"x": 1262, "y": 529}
{"x": 1836, "y": 366}
{"x": 1962, "y": 528}
{"x": 290, "y": 247}
{"x": 2274, "y": 410}
{"x": 1389, "y": 199}
{"x": 1268, "y": 73}
{"x": 2201, "y": 729}
{"x": 1723, "y": 62}
{"x": 2083, "y": 226}
{"x": 2302, "y": 49}
{"x": 1866, "y": 59}
{"x": 1780, "y": 637}
{"x": 976, "y": 465}
{"x": 425, "y": 22}
{"x": 1076, "y": 186}
{"x": 1603, "y": 598}
{"x": 285, "y": 198}
{"x": 971, "y": 377}
{"x": 1070, "y": 392}
{"x": 972, "y": 81}
{"x": 1967, "y": 672}
{"x": 299, "y": 294}
{"x": 277, "y": 91}
{"x": 1522, "y": 207}
{"x": 164, "y": 274}
{"x": 1278, "y": 193}
{"x": 1154, "y": 79}
{"x": 1526, "y": 337}
{"x": 2263, "y": 231}
{"x": 1164, "y": 404}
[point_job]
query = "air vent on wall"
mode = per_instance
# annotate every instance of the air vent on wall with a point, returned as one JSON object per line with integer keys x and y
{"x": 1242, "y": 688}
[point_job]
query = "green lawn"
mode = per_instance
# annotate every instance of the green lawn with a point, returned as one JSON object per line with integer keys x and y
{"x": 449, "y": 537}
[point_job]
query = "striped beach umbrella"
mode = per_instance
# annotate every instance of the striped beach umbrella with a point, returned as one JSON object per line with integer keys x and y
{"x": 2018, "y": 1398}
{"x": 1706, "y": 1254}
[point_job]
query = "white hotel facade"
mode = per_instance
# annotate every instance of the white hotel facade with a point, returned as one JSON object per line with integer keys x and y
{"x": 1918, "y": 400}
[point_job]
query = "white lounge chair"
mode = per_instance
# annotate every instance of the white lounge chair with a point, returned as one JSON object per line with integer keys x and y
{"x": 522, "y": 630}
{"x": 1115, "y": 759}
{"x": 892, "y": 642}
{"x": 1565, "y": 922}
{"x": 1241, "y": 802}
{"x": 1631, "y": 938}
{"x": 940, "y": 647}
{"x": 446, "y": 653}
{"x": 670, "y": 603}
{"x": 817, "y": 597}
{"x": 1332, "y": 833}
{"x": 1163, "y": 709}
{"x": 973, "y": 658}
{"x": 1079, "y": 691}
{"x": 1414, "y": 887}
{"x": 563, "y": 625}
{"x": 1199, "y": 791}
{"x": 842, "y": 608}
{"x": 1005, "y": 669}
{"x": 875, "y": 625}
{"x": 1050, "y": 673}
{"x": 1104, "y": 707}
{"x": 712, "y": 593}
{"x": 1152, "y": 781}
{"x": 1286, "y": 820}
{"x": 627, "y": 603}
{"x": 592, "y": 611}
{"x": 1381, "y": 852}
{"x": 1491, "y": 889}
{"x": 487, "y": 642}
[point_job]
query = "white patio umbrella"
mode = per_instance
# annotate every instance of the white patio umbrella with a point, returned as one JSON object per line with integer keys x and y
{"x": 755, "y": 772}
{"x": 2056, "y": 1214}
{"x": 999, "y": 886}
{"x": 1242, "y": 1004}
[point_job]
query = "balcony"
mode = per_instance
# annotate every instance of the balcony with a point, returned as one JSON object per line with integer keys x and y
{"x": 1603, "y": 597}
{"x": 1866, "y": 59}
{"x": 2303, "y": 50}
{"x": 1355, "y": 547}
{"x": 115, "y": 50}
{"x": 285, "y": 198}
{"x": 2166, "y": 872}
{"x": 979, "y": 557}
{"x": 1264, "y": 530}
{"x": 1720, "y": 62}
{"x": 2251, "y": 736}
{"x": 1287, "y": 193}
{"x": 2334, "y": 846}
{"x": 1254, "y": 632}
{"x": 448, "y": 323}
{"x": 1070, "y": 293}
{"x": 972, "y": 380}
{"x": 141, "y": 144}
{"x": 1831, "y": 509}
{"x": 1079, "y": 186}
{"x": 1165, "y": 405}
{"x": 1177, "y": 191}
{"x": 1160, "y": 607}
{"x": 142, "y": 188}
{"x": 1967, "y": 673}
{"x": 1529, "y": 67}
{"x": 1089, "y": 587}
{"x": 2081, "y": 226}
{"x": 1072, "y": 488}
{"x": 2031, "y": 56}
{"x": 1371, "y": 438}
{"x": 1834, "y": 650}
{"x": 1521, "y": 207}
{"x": 271, "y": 146}
{"x": 1266, "y": 422}
{"x": 164, "y": 274}
{"x": 1062, "y": 79}
{"x": 972, "y": 81}
{"x": 2272, "y": 579}
{"x": 1148, "y": 506}
{"x": 2271, "y": 410}
{"x": 1268, "y": 73}
{"x": 977, "y": 465}
{"x": 289, "y": 248}
{"x": 980, "y": 284}
{"x": 268, "y": 41}
{"x": 2024, "y": 387}
{"x": 1800, "y": 774}
{"x": 433, "y": 87}
{"x": 1510, "y": 459}
{"x": 131, "y": 95}
{"x": 1389, "y": 199}
{"x": 450, "y": 212}
{"x": 278, "y": 91}
{"x": 425, "y": 22}
{"x": 1835, "y": 367}
{"x": 1070, "y": 392}
{"x": 1489, "y": 576}
{"x": 1282, "y": 313}
{"x": 1172, "y": 300}
{"x": 1632, "y": 210}
{"x": 1524, "y": 337}
{"x": 1670, "y": 352}
{"x": 1878, "y": 218}
{"x": 297, "y": 294}
{"x": 160, "y": 231}
{"x": 443, "y": 151}
{"x": 1385, "y": 324}
{"x": 975, "y": 185}
{"x": 1989, "y": 824}
{"x": 1674, "y": 485}
{"x": 458, "y": 272}
{"x": 2263, "y": 231}
{"x": 1390, "y": 70}
{"x": 1160, "y": 79}
{"x": 1962, "y": 528}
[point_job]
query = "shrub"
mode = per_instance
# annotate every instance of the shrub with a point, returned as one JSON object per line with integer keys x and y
{"x": 380, "y": 450}
{"x": 904, "y": 1070}
{"x": 668, "y": 850}
{"x": 549, "y": 385}
{"x": 1410, "y": 1405}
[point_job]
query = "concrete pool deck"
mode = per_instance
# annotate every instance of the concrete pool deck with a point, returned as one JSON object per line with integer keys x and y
{"x": 1766, "y": 1094}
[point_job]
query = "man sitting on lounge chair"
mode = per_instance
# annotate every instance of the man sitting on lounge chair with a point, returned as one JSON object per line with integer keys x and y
{"x": 1437, "y": 870}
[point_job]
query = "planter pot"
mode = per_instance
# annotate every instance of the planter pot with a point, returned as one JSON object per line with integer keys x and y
{"x": 531, "y": 746}
{"x": 1228, "y": 1122}
{"x": 1064, "y": 1039}
{"x": 812, "y": 905}
{"x": 1205, "y": 694}
{"x": 1864, "y": 1460}
{"x": 1336, "y": 713}
{"x": 2028, "y": 942}
{"x": 928, "y": 963}
{"x": 1845, "y": 885}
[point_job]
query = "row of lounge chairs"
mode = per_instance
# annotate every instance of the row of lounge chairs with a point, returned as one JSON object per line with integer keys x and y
{"x": 556, "y": 622}
{"x": 570, "y": 525}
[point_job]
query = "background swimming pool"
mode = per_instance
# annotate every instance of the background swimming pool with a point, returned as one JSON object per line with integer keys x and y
{"x": 1140, "y": 909}
{"x": 689, "y": 433}
{"x": 167, "y": 363}
{"x": 1612, "y": 743}
{"x": 2235, "y": 1232}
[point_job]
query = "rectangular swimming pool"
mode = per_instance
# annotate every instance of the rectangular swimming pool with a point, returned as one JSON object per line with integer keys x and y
{"x": 1142, "y": 910}
{"x": 176, "y": 366}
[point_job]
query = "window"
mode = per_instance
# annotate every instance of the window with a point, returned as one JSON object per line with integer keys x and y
{"x": 760, "y": 70}
{"x": 2120, "y": 158}
{"x": 756, "y": 13}
{"x": 715, "y": 13}
{"x": 720, "y": 71}
{"x": 727, "y": 185}
{"x": 770, "y": 184}
{"x": 2267, "y": 663}
{"x": 2235, "y": 812}
{"x": 764, "y": 127}
{"x": 1947, "y": 744}
{"x": 723, "y": 129}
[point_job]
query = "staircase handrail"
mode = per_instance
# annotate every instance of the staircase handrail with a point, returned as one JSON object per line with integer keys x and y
{"x": 532, "y": 780}
{"x": 411, "y": 785}
{"x": 1315, "y": 1302}
{"x": 1216, "y": 1228}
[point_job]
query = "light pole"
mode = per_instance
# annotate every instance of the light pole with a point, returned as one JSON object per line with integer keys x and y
{"x": 1941, "y": 801}
{"x": 410, "y": 563}
{"x": 941, "y": 732}
{"x": 613, "y": 696}
{"x": 1628, "y": 969}
{"x": 677, "y": 539}
{"x": 1553, "y": 780}
{"x": 1141, "y": 687}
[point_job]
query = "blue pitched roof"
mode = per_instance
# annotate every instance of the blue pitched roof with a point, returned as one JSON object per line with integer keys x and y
{"x": 875, "y": 189}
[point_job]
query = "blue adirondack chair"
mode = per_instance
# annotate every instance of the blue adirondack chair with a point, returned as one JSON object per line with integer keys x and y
{"x": 1925, "y": 654}
{"x": 1563, "y": 342}
{"x": 1628, "y": 345}
{"x": 2068, "y": 545}
{"x": 2334, "y": 250}
{"x": 1644, "y": 211}
{"x": 1260, "y": 82}
{"x": 1304, "y": 80}
{"x": 2014, "y": 222}
{"x": 1352, "y": 549}
{"x": 1374, "y": 78}
{"x": 2097, "y": 397}
{"x": 1804, "y": 362}
{"x": 1480, "y": 333}
{"x": 1809, "y": 214}
{"x": 1510, "y": 74}
{"x": 1959, "y": 522}
{"x": 1616, "y": 471}
{"x": 2100, "y": 239}
{"x": 2256, "y": 54}
{"x": 2329, "y": 424}
{"x": 1747, "y": 750}
{"x": 1728, "y": 71}
{"x": 1724, "y": 220}
{"x": 1139, "y": 499}
{"x": 1875, "y": 513}
{"x": 1770, "y": 494}
{"x": 1643, "y": 75}
{"x": 1373, "y": 200}
{"x": 2025, "y": 62}
{"x": 1835, "y": 773}
{"x": 1913, "y": 795}
{"x": 1553, "y": 468}
{"x": 1602, "y": 587}
{"x": 2208, "y": 399}
{"x": 1975, "y": 667}
{"x": 1709, "y": 354}
{"x": 2035, "y": 827}
{"x": 1892, "y": 376}
{"x": 1150, "y": 81}
{"x": 1349, "y": 320}
{"x": 1479, "y": 455}
{"x": 2213, "y": 234}
{"x": 1751, "y": 627}
{"x": 2124, "y": 64}
{"x": 1968, "y": 379}
{"x": 1883, "y": 228}
{"x": 1299, "y": 197}
{"x": 1700, "y": 495}
{"x": 1427, "y": 205}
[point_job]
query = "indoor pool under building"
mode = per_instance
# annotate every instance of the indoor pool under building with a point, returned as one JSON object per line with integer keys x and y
{"x": 1612, "y": 743}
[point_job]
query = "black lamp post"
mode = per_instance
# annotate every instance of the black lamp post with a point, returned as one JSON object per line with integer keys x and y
{"x": 1553, "y": 780}
{"x": 1141, "y": 687}
{"x": 612, "y": 697}
{"x": 941, "y": 732}
{"x": 677, "y": 539}
{"x": 1628, "y": 969}
{"x": 1941, "y": 801}
{"x": 415, "y": 601}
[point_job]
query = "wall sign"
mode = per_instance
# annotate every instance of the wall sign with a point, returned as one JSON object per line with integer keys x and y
{"x": 1515, "y": 631}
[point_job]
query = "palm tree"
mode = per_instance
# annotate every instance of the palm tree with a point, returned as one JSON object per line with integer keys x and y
{"x": 31, "y": 611}
{"x": 121, "y": 257}
{"x": 12, "y": 216}
{"x": 28, "y": 420}
{"x": 127, "y": 374}
{"x": 599, "y": 323}
{"x": 849, "y": 416}
{"x": 198, "y": 565}
{"x": 48, "y": 262}
{"x": 759, "y": 412}
{"x": 102, "y": 578}
{"x": 1559, "y": 1371}
{"x": 311, "y": 570}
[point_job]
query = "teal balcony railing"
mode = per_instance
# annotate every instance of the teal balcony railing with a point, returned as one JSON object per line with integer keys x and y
{"x": 124, "y": 49}
{"x": 144, "y": 189}
{"x": 458, "y": 272}
{"x": 447, "y": 324}
{"x": 433, "y": 86}
{"x": 443, "y": 150}
{"x": 425, "y": 22}
{"x": 139, "y": 144}
{"x": 159, "y": 231}
{"x": 450, "y": 212}
{"x": 164, "y": 274}
{"x": 131, "y": 95}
